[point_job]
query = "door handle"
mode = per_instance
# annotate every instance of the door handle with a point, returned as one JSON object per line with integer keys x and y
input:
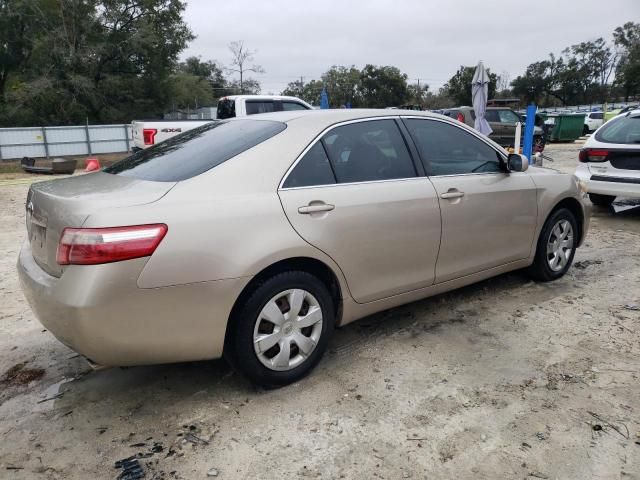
{"x": 452, "y": 193}
{"x": 317, "y": 208}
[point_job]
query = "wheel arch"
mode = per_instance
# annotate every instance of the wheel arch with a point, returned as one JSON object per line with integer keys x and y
{"x": 316, "y": 267}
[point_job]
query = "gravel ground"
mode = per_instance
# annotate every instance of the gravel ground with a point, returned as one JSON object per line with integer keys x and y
{"x": 504, "y": 379}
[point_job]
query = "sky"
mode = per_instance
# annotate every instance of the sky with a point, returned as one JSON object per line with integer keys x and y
{"x": 426, "y": 39}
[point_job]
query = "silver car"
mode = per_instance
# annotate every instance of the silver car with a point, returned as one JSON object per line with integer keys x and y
{"x": 254, "y": 238}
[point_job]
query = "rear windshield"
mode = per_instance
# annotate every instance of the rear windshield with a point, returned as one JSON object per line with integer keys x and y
{"x": 226, "y": 109}
{"x": 623, "y": 129}
{"x": 196, "y": 151}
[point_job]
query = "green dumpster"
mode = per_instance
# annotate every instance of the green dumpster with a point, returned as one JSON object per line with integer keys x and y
{"x": 567, "y": 127}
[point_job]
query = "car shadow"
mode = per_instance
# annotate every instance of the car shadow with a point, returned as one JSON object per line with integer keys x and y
{"x": 131, "y": 387}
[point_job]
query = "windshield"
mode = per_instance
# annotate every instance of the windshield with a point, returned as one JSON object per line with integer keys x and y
{"x": 196, "y": 151}
{"x": 624, "y": 129}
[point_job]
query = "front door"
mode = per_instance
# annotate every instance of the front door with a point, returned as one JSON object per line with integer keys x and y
{"x": 488, "y": 216}
{"x": 356, "y": 196}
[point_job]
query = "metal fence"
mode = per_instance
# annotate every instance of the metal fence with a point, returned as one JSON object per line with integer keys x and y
{"x": 62, "y": 141}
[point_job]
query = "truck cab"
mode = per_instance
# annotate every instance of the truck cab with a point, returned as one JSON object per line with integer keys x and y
{"x": 242, "y": 105}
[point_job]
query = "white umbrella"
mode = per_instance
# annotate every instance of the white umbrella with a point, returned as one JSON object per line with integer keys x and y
{"x": 479, "y": 94}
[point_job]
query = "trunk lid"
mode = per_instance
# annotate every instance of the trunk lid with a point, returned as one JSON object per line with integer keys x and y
{"x": 52, "y": 206}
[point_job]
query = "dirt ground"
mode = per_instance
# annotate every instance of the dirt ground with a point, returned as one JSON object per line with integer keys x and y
{"x": 504, "y": 379}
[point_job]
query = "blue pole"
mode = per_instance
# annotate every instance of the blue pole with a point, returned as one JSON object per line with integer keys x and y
{"x": 527, "y": 146}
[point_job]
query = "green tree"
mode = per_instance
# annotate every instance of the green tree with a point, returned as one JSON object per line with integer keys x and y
{"x": 307, "y": 91}
{"x": 458, "y": 88}
{"x": 249, "y": 86}
{"x": 418, "y": 93}
{"x": 627, "y": 39}
{"x": 342, "y": 84}
{"x": 101, "y": 60}
{"x": 382, "y": 86}
{"x": 190, "y": 91}
{"x": 208, "y": 70}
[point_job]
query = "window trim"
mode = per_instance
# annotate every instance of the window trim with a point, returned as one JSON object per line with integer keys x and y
{"x": 458, "y": 125}
{"x": 318, "y": 138}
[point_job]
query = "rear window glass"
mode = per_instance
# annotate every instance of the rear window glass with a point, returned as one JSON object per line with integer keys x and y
{"x": 624, "y": 129}
{"x": 196, "y": 151}
{"x": 226, "y": 109}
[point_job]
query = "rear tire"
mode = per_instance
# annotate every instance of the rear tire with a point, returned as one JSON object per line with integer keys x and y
{"x": 601, "y": 200}
{"x": 585, "y": 131}
{"x": 271, "y": 339}
{"x": 556, "y": 246}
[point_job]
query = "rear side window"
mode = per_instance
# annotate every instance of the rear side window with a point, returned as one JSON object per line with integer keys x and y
{"x": 226, "y": 109}
{"x": 196, "y": 151}
{"x": 622, "y": 129}
{"x": 287, "y": 106}
{"x": 368, "y": 151}
{"x": 449, "y": 150}
{"x": 254, "y": 107}
{"x": 596, "y": 116}
{"x": 313, "y": 169}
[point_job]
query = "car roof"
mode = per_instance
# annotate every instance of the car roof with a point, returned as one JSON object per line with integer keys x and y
{"x": 330, "y": 116}
{"x": 261, "y": 97}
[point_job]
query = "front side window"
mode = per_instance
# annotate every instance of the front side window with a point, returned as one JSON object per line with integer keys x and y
{"x": 196, "y": 151}
{"x": 312, "y": 170}
{"x": 368, "y": 151}
{"x": 508, "y": 116}
{"x": 254, "y": 107}
{"x": 449, "y": 150}
{"x": 288, "y": 106}
{"x": 621, "y": 129}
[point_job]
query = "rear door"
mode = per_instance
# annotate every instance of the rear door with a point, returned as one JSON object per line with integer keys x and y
{"x": 356, "y": 195}
{"x": 488, "y": 216}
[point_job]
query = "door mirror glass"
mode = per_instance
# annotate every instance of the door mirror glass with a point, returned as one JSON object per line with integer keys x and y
{"x": 517, "y": 163}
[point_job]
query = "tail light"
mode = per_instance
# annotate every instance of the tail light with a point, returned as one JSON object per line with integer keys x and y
{"x": 149, "y": 135}
{"x": 460, "y": 117}
{"x": 593, "y": 155}
{"x": 93, "y": 246}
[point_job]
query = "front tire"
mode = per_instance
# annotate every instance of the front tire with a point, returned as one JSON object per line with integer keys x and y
{"x": 601, "y": 200}
{"x": 279, "y": 334}
{"x": 556, "y": 246}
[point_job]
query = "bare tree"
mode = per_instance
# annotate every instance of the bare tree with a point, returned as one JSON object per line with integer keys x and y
{"x": 241, "y": 57}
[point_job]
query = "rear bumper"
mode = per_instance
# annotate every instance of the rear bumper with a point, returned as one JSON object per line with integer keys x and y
{"x": 101, "y": 313}
{"x": 614, "y": 185}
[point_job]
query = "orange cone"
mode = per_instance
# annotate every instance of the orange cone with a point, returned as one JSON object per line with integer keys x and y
{"x": 92, "y": 165}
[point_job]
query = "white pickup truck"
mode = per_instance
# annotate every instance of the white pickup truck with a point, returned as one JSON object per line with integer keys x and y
{"x": 147, "y": 133}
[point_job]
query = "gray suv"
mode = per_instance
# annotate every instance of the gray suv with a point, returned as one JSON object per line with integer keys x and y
{"x": 503, "y": 123}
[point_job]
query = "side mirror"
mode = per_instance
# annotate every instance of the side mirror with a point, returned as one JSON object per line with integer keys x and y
{"x": 517, "y": 163}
